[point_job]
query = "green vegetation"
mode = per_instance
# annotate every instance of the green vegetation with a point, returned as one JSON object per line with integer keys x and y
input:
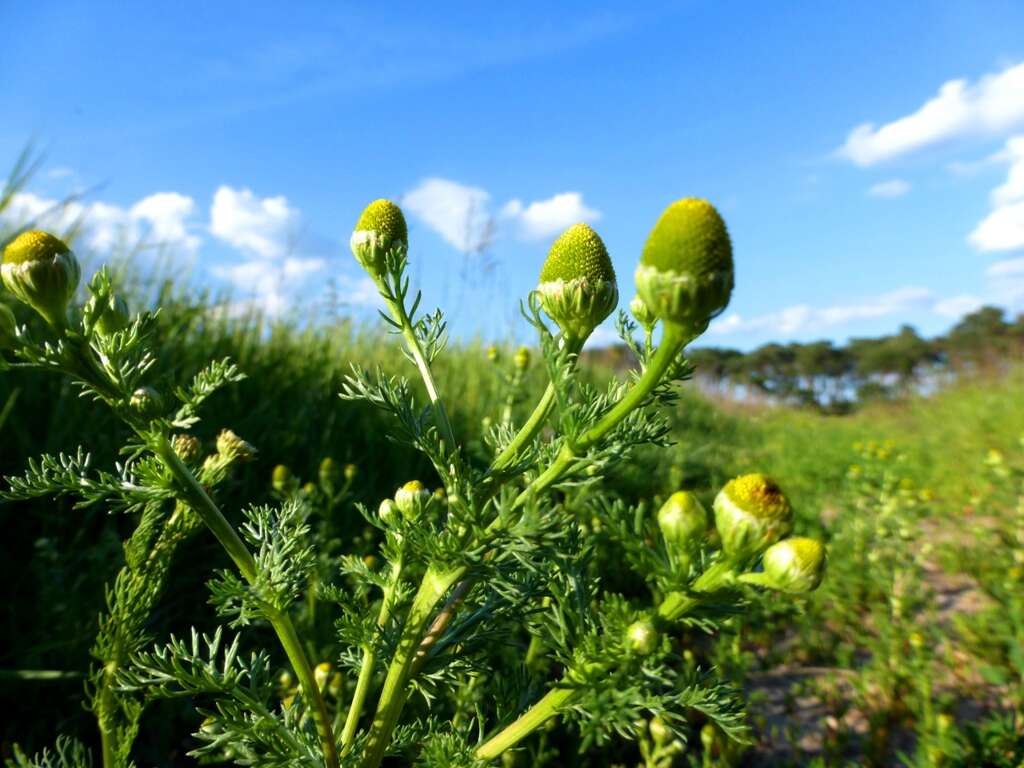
{"x": 614, "y": 615}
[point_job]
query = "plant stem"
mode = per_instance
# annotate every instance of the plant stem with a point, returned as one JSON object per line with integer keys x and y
{"x": 199, "y": 500}
{"x": 526, "y": 724}
{"x": 398, "y": 311}
{"x": 392, "y": 697}
{"x": 673, "y": 340}
{"x": 369, "y": 662}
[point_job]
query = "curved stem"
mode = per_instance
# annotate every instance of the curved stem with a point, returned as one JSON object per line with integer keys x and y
{"x": 526, "y": 723}
{"x": 211, "y": 515}
{"x": 392, "y": 697}
{"x": 528, "y": 431}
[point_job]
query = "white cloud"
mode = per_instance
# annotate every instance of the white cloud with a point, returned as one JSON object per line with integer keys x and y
{"x": 544, "y": 218}
{"x": 261, "y": 226}
{"x": 992, "y": 105}
{"x": 891, "y": 188}
{"x": 1003, "y": 228}
{"x": 461, "y": 214}
{"x": 802, "y": 317}
{"x": 270, "y": 285}
{"x": 105, "y": 225}
{"x": 457, "y": 212}
{"x": 957, "y": 306}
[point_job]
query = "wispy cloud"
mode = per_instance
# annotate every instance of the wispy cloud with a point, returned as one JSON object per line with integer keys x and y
{"x": 261, "y": 226}
{"x": 889, "y": 189}
{"x": 991, "y": 106}
{"x": 462, "y": 215}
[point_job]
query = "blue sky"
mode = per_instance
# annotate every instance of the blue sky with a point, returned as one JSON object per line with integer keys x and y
{"x": 868, "y": 157}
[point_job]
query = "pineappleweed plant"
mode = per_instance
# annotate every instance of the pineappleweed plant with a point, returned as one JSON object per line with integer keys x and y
{"x": 498, "y": 552}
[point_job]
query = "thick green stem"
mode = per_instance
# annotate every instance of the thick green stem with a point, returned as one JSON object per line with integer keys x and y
{"x": 355, "y": 709}
{"x": 200, "y": 501}
{"x": 527, "y": 723}
{"x": 392, "y": 697}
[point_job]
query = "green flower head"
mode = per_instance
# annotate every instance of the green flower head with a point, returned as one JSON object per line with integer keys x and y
{"x": 642, "y": 637}
{"x": 147, "y": 403}
{"x": 685, "y": 274}
{"x": 42, "y": 272}
{"x": 281, "y": 478}
{"x": 683, "y": 522}
{"x": 577, "y": 285}
{"x": 115, "y": 317}
{"x": 794, "y": 565}
{"x": 380, "y": 228}
{"x": 411, "y": 499}
{"x": 751, "y": 514}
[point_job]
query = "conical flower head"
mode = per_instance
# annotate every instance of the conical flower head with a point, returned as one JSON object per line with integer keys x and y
{"x": 380, "y": 228}
{"x": 577, "y": 285}
{"x": 686, "y": 271}
{"x": 794, "y": 565}
{"x": 683, "y": 521}
{"x": 41, "y": 271}
{"x": 751, "y": 514}
{"x": 8, "y": 327}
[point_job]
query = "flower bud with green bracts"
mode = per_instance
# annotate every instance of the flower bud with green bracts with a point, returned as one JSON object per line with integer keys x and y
{"x": 685, "y": 276}
{"x": 642, "y": 637}
{"x": 387, "y": 512}
{"x": 412, "y": 499}
{"x": 381, "y": 228}
{"x": 329, "y": 474}
{"x": 577, "y": 287}
{"x": 521, "y": 359}
{"x": 115, "y": 317}
{"x": 41, "y": 271}
{"x": 281, "y": 478}
{"x": 795, "y": 565}
{"x": 188, "y": 448}
{"x": 8, "y": 328}
{"x": 683, "y": 522}
{"x": 350, "y": 472}
{"x": 751, "y": 514}
{"x": 233, "y": 448}
{"x": 147, "y": 403}
{"x": 643, "y": 314}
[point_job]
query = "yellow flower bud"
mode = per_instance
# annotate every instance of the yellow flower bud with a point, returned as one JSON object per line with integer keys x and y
{"x": 751, "y": 514}
{"x": 522, "y": 359}
{"x": 493, "y": 354}
{"x": 322, "y": 674}
{"x": 686, "y": 271}
{"x": 230, "y": 446}
{"x": 328, "y": 473}
{"x": 188, "y": 448}
{"x": 281, "y": 478}
{"x": 40, "y": 270}
{"x": 660, "y": 732}
{"x": 642, "y": 637}
{"x": 349, "y": 471}
{"x": 380, "y": 228}
{"x": 794, "y": 565}
{"x": 577, "y": 285}
{"x": 147, "y": 403}
{"x": 683, "y": 522}
{"x": 411, "y": 499}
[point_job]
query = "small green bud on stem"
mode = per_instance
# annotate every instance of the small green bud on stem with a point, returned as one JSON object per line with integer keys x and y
{"x": 349, "y": 472}
{"x": 751, "y": 514}
{"x": 281, "y": 478}
{"x": 147, "y": 403}
{"x": 411, "y": 499}
{"x": 577, "y": 285}
{"x": 387, "y": 511}
{"x": 521, "y": 360}
{"x": 380, "y": 228}
{"x": 683, "y": 522}
{"x": 40, "y": 270}
{"x": 115, "y": 317}
{"x": 685, "y": 275}
{"x": 642, "y": 313}
{"x": 795, "y": 565}
{"x": 642, "y": 637}
{"x": 231, "y": 447}
{"x": 329, "y": 473}
{"x": 187, "y": 447}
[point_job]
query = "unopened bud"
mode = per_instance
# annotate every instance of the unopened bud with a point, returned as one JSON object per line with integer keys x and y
{"x": 40, "y": 270}
{"x": 147, "y": 403}
{"x": 335, "y": 685}
{"x": 522, "y": 359}
{"x": 751, "y": 514}
{"x": 329, "y": 474}
{"x": 188, "y": 448}
{"x": 350, "y": 471}
{"x": 309, "y": 489}
{"x": 492, "y": 354}
{"x": 683, "y": 522}
{"x": 387, "y": 511}
{"x": 231, "y": 446}
{"x": 411, "y": 499}
{"x": 115, "y": 317}
{"x": 577, "y": 285}
{"x": 322, "y": 674}
{"x": 642, "y": 313}
{"x": 642, "y": 637}
{"x": 686, "y": 272}
{"x": 381, "y": 227}
{"x": 794, "y": 565}
{"x": 281, "y": 478}
{"x": 660, "y": 732}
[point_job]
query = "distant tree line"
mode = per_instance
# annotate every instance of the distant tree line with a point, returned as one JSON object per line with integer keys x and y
{"x": 831, "y": 377}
